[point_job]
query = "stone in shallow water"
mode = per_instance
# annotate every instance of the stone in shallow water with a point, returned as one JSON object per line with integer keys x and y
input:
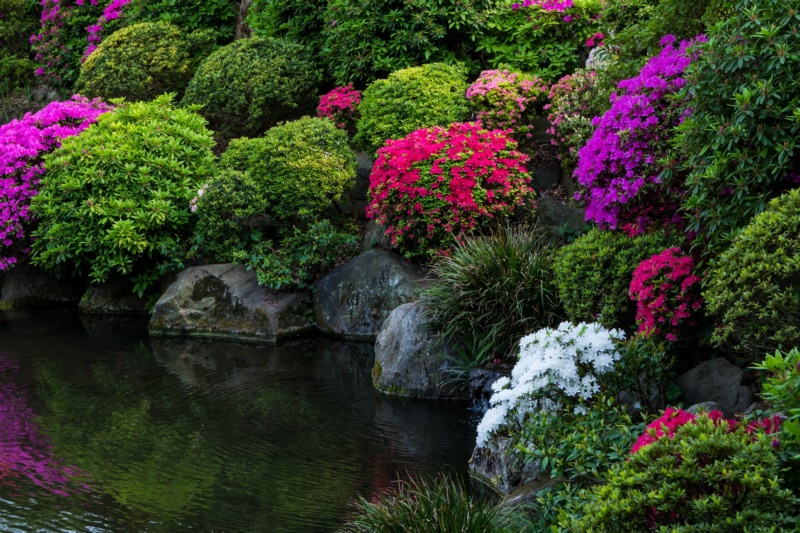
{"x": 226, "y": 301}
{"x": 112, "y": 298}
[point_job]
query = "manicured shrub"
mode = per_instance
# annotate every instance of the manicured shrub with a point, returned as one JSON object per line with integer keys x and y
{"x": 753, "y": 289}
{"x": 23, "y": 145}
{"x": 593, "y": 275}
{"x": 493, "y": 289}
{"x": 116, "y": 199}
{"x": 626, "y": 181}
{"x": 706, "y": 477}
{"x": 252, "y": 84}
{"x": 112, "y": 11}
{"x": 300, "y": 165}
{"x": 440, "y": 505}
{"x": 507, "y": 101}
{"x": 543, "y": 38}
{"x": 667, "y": 294}
{"x": 18, "y": 19}
{"x": 143, "y": 61}
{"x": 410, "y": 99}
{"x": 743, "y": 130}
{"x": 341, "y": 106}
{"x": 435, "y": 186}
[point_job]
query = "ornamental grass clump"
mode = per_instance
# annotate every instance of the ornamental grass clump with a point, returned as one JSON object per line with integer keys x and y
{"x": 507, "y": 100}
{"x": 115, "y": 200}
{"x": 436, "y": 186}
{"x": 23, "y": 145}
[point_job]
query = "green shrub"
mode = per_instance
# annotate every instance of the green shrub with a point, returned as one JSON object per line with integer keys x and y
{"x": 143, "y": 61}
{"x": 645, "y": 371}
{"x": 494, "y": 290}
{"x": 252, "y": 84}
{"x": 706, "y": 478}
{"x": 217, "y": 17}
{"x": 300, "y": 21}
{"x": 753, "y": 289}
{"x": 593, "y": 275}
{"x": 745, "y": 121}
{"x": 15, "y": 72}
{"x": 440, "y": 505}
{"x": 115, "y": 199}
{"x": 411, "y": 99}
{"x": 18, "y": 20}
{"x": 300, "y": 165}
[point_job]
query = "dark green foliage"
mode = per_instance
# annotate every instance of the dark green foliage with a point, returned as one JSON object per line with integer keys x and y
{"x": 593, "y": 275}
{"x": 492, "y": 291}
{"x": 645, "y": 370}
{"x": 705, "y": 479}
{"x": 620, "y": 14}
{"x": 740, "y": 142}
{"x": 18, "y": 21}
{"x": 252, "y": 84}
{"x": 440, "y": 506}
{"x": 115, "y": 199}
{"x": 16, "y": 72}
{"x": 411, "y": 99}
{"x": 302, "y": 21}
{"x": 753, "y": 289}
{"x": 142, "y": 61}
{"x": 216, "y": 16}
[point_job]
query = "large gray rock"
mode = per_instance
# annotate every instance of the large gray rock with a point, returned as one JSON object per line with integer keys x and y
{"x": 226, "y": 301}
{"x": 28, "y": 286}
{"x": 355, "y": 298}
{"x": 408, "y": 360}
{"x": 375, "y": 237}
{"x": 555, "y": 219}
{"x": 112, "y": 298}
{"x": 716, "y": 381}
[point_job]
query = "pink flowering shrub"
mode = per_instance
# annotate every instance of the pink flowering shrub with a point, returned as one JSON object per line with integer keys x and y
{"x": 23, "y": 144}
{"x": 341, "y": 106}
{"x": 546, "y": 5}
{"x": 112, "y": 12}
{"x": 621, "y": 166}
{"x": 667, "y": 294}
{"x": 436, "y": 185}
{"x": 507, "y": 100}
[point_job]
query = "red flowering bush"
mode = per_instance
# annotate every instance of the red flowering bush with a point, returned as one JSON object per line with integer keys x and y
{"x": 507, "y": 100}
{"x": 341, "y": 106}
{"x": 436, "y": 185}
{"x": 666, "y": 292}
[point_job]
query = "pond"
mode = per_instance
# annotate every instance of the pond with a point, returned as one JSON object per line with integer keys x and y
{"x": 105, "y": 429}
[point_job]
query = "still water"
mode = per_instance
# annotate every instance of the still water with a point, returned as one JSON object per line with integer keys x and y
{"x": 105, "y": 429}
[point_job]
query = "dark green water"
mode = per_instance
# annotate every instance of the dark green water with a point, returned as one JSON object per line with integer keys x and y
{"x": 105, "y": 429}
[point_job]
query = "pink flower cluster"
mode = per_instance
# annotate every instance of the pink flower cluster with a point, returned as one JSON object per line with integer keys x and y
{"x": 23, "y": 144}
{"x": 666, "y": 292}
{"x": 506, "y": 100}
{"x": 546, "y": 5}
{"x": 673, "y": 418}
{"x": 596, "y": 39}
{"x": 341, "y": 106}
{"x": 51, "y": 54}
{"x": 111, "y": 12}
{"x": 436, "y": 185}
{"x": 573, "y": 102}
{"x": 620, "y": 166}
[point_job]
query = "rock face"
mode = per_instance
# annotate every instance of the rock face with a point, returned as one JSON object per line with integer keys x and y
{"x": 407, "y": 360}
{"x": 112, "y": 298}
{"x": 553, "y": 215}
{"x": 503, "y": 467}
{"x": 28, "y": 286}
{"x": 375, "y": 237}
{"x": 226, "y": 301}
{"x": 355, "y": 298}
{"x": 716, "y": 381}
{"x": 547, "y": 176}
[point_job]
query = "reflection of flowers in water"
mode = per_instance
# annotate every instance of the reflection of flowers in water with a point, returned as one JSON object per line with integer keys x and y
{"x": 24, "y": 450}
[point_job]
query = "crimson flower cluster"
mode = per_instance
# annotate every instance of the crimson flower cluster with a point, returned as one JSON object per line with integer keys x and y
{"x": 434, "y": 186}
{"x": 620, "y": 167}
{"x": 673, "y": 418}
{"x": 666, "y": 292}
{"x": 23, "y": 144}
{"x": 546, "y": 5}
{"x": 341, "y": 106}
{"x": 111, "y": 12}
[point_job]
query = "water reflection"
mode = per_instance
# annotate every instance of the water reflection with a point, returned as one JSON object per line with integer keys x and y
{"x": 172, "y": 435}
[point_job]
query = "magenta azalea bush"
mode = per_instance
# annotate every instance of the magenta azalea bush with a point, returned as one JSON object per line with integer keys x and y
{"x": 507, "y": 100}
{"x": 667, "y": 294}
{"x": 622, "y": 166}
{"x": 546, "y": 5}
{"x": 23, "y": 144}
{"x": 341, "y": 106}
{"x": 436, "y": 185}
{"x": 112, "y": 12}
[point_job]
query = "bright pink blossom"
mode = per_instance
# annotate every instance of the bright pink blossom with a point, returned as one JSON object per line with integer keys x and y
{"x": 341, "y": 106}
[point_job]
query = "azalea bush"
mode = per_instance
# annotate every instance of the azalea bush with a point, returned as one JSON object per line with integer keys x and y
{"x": 435, "y": 186}
{"x": 112, "y": 11}
{"x": 18, "y": 19}
{"x": 507, "y": 100}
{"x": 23, "y": 145}
{"x": 667, "y": 294}
{"x": 299, "y": 21}
{"x": 626, "y": 181}
{"x": 341, "y": 106}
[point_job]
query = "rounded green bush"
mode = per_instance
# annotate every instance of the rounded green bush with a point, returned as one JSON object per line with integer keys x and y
{"x": 593, "y": 275}
{"x": 115, "y": 199}
{"x": 143, "y": 61}
{"x": 300, "y": 165}
{"x": 252, "y": 84}
{"x": 411, "y": 99}
{"x": 754, "y": 287}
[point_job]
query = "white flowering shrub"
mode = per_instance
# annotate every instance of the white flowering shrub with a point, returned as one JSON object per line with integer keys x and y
{"x": 555, "y": 367}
